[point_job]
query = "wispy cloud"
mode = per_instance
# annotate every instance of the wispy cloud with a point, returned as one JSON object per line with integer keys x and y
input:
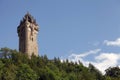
{"x": 85, "y": 53}
{"x": 113, "y": 43}
{"x": 101, "y": 61}
{"x": 96, "y": 43}
{"x": 79, "y": 57}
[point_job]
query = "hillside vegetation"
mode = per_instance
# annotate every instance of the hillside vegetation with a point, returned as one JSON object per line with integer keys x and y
{"x": 17, "y": 66}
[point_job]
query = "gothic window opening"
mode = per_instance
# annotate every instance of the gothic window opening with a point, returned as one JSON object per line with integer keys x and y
{"x": 32, "y": 39}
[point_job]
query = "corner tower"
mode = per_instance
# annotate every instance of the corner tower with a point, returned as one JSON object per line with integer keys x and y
{"x": 27, "y": 33}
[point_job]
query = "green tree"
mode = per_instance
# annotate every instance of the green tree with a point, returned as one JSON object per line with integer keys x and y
{"x": 24, "y": 72}
{"x": 9, "y": 72}
{"x": 97, "y": 74}
{"x": 113, "y": 72}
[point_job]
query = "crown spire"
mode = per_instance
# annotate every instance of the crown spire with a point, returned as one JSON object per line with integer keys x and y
{"x": 28, "y": 17}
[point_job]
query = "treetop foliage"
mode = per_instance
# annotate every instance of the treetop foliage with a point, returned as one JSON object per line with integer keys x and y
{"x": 17, "y": 66}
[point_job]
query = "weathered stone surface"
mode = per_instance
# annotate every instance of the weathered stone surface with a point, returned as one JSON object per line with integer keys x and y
{"x": 27, "y": 33}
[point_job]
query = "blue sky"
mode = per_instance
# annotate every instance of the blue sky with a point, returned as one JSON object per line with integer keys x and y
{"x": 67, "y": 27}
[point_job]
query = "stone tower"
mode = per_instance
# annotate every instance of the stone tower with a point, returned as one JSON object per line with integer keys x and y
{"x": 27, "y": 33}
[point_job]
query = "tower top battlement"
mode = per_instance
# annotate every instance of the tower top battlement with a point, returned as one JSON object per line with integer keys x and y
{"x": 28, "y": 18}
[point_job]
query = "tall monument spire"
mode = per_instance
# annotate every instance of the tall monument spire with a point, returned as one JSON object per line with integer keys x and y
{"x": 27, "y": 33}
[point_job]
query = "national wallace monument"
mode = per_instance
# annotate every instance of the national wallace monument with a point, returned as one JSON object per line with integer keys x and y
{"x": 27, "y": 33}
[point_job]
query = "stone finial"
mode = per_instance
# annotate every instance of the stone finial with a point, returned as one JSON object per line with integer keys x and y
{"x": 28, "y": 17}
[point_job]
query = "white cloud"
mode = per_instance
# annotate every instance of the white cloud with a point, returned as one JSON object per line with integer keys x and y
{"x": 79, "y": 57}
{"x": 105, "y": 60}
{"x": 112, "y": 43}
{"x": 102, "y": 61}
{"x": 86, "y": 53}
